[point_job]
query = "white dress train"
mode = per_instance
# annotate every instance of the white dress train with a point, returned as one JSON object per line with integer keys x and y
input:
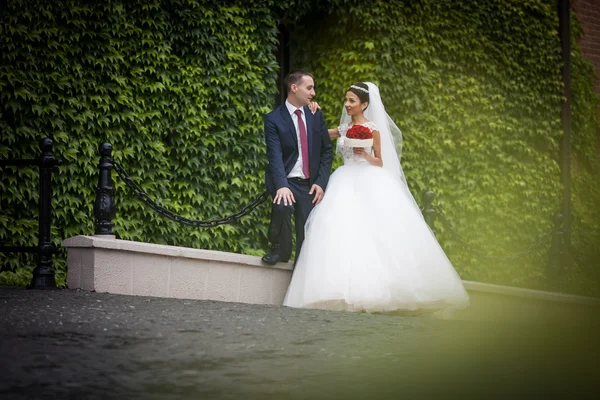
{"x": 368, "y": 248}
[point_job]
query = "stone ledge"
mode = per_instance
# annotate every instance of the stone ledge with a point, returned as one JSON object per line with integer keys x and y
{"x": 106, "y": 264}
{"x": 109, "y": 242}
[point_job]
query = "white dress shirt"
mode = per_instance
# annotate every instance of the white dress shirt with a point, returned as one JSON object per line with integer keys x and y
{"x": 296, "y": 172}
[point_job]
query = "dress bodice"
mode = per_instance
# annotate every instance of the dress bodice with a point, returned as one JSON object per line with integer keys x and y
{"x": 347, "y": 152}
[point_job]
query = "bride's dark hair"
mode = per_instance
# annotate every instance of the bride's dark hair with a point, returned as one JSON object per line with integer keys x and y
{"x": 362, "y": 91}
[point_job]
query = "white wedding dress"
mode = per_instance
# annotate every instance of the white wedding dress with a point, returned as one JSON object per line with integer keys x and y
{"x": 368, "y": 248}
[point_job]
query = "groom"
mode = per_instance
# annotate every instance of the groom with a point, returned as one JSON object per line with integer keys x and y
{"x": 300, "y": 154}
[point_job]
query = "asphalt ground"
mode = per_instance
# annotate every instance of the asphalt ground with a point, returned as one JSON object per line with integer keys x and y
{"x": 86, "y": 345}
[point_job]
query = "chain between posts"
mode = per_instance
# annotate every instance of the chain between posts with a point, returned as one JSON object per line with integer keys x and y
{"x": 211, "y": 223}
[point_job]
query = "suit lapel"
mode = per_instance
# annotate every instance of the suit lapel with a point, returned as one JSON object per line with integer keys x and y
{"x": 290, "y": 124}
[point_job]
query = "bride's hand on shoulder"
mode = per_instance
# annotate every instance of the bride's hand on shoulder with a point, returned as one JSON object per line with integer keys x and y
{"x": 333, "y": 133}
{"x": 313, "y": 106}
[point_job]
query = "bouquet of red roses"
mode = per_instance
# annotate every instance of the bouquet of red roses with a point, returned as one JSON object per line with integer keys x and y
{"x": 358, "y": 136}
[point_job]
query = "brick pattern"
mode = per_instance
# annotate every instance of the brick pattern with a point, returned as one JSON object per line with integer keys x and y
{"x": 588, "y": 13}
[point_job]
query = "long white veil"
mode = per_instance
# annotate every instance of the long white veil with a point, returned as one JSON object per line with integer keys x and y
{"x": 391, "y": 136}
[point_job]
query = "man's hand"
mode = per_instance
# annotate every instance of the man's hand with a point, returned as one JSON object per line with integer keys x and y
{"x": 316, "y": 189}
{"x": 286, "y": 195}
{"x": 313, "y": 106}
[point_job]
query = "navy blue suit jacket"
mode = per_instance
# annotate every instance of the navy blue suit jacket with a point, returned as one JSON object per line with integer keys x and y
{"x": 282, "y": 148}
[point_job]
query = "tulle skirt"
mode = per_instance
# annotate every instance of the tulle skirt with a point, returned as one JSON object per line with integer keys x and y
{"x": 368, "y": 248}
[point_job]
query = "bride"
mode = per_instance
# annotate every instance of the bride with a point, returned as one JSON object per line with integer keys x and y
{"x": 367, "y": 246}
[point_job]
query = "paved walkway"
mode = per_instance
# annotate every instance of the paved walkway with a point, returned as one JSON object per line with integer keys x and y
{"x": 75, "y": 344}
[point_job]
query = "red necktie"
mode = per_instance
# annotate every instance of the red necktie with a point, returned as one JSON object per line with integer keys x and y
{"x": 303, "y": 144}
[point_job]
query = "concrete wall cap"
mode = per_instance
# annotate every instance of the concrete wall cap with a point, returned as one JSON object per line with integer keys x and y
{"x": 530, "y": 293}
{"x": 107, "y": 242}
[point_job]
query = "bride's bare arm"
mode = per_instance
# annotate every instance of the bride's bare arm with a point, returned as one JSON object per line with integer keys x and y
{"x": 333, "y": 133}
{"x": 374, "y": 159}
{"x": 313, "y": 106}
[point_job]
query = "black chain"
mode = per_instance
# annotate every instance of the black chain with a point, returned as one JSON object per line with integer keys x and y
{"x": 211, "y": 223}
{"x": 481, "y": 254}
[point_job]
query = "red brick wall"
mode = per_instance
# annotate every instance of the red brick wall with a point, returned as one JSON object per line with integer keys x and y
{"x": 588, "y": 13}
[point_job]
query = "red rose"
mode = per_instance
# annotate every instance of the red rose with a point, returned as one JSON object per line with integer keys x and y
{"x": 359, "y": 132}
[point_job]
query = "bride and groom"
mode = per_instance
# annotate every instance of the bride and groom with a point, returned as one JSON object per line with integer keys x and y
{"x": 363, "y": 245}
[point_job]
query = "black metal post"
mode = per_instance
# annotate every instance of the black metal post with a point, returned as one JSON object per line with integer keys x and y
{"x": 43, "y": 273}
{"x": 556, "y": 253}
{"x": 427, "y": 210}
{"x": 564, "y": 26}
{"x": 104, "y": 207}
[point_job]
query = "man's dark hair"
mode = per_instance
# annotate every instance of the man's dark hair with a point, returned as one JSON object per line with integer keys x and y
{"x": 295, "y": 78}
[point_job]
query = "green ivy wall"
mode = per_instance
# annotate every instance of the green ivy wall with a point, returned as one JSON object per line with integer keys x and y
{"x": 180, "y": 88}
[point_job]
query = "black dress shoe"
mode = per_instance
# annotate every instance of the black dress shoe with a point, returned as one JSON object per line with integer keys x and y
{"x": 273, "y": 257}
